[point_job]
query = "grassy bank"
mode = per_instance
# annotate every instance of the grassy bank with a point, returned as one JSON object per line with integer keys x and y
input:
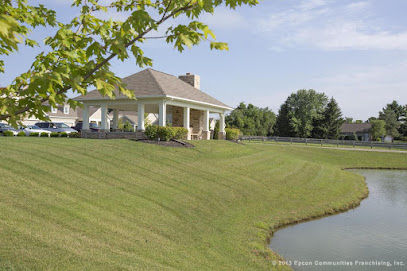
{"x": 118, "y": 204}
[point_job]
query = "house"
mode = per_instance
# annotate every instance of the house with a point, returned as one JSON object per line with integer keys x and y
{"x": 65, "y": 114}
{"x": 362, "y": 130}
{"x": 176, "y": 100}
{"x": 132, "y": 118}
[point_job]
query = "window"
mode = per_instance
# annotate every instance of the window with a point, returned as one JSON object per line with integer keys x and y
{"x": 53, "y": 109}
{"x": 66, "y": 109}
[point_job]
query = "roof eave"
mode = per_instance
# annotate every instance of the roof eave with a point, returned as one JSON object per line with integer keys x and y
{"x": 156, "y": 96}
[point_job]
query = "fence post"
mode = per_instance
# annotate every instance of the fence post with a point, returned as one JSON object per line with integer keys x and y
{"x": 321, "y": 142}
{"x": 291, "y": 140}
{"x": 371, "y": 144}
{"x": 276, "y": 139}
{"x": 337, "y": 143}
{"x": 306, "y": 141}
{"x": 353, "y": 143}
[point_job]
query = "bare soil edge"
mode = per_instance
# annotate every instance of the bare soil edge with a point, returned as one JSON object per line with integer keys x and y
{"x": 334, "y": 211}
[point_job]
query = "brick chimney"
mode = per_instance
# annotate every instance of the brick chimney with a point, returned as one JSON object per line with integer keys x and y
{"x": 192, "y": 79}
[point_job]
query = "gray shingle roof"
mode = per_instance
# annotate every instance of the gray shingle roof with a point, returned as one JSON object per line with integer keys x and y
{"x": 150, "y": 82}
{"x": 356, "y": 128}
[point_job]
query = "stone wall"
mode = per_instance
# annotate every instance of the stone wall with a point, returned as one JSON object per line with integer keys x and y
{"x": 113, "y": 135}
{"x": 196, "y": 120}
{"x": 192, "y": 79}
{"x": 177, "y": 116}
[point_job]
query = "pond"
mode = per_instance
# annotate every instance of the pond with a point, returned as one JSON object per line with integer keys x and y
{"x": 371, "y": 237}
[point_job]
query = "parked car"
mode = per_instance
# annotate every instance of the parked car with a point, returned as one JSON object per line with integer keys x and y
{"x": 33, "y": 129}
{"x": 5, "y": 127}
{"x": 92, "y": 126}
{"x": 55, "y": 127}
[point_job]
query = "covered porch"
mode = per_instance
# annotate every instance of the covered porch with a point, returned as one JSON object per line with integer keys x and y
{"x": 191, "y": 115}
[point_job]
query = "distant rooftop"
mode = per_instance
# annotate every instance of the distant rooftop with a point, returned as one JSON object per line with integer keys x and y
{"x": 356, "y": 127}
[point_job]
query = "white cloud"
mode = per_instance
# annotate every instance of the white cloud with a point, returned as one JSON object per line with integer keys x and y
{"x": 363, "y": 91}
{"x": 224, "y": 18}
{"x": 330, "y": 25}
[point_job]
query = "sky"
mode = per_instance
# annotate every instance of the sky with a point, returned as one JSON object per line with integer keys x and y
{"x": 354, "y": 51}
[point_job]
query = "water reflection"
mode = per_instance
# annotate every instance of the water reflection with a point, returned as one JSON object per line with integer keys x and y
{"x": 375, "y": 232}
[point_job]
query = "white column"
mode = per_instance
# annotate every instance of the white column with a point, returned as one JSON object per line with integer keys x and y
{"x": 140, "y": 115}
{"x": 206, "y": 121}
{"x": 115, "y": 118}
{"x": 222, "y": 134}
{"x": 187, "y": 112}
{"x": 162, "y": 112}
{"x": 221, "y": 123}
{"x": 85, "y": 117}
{"x": 206, "y": 134}
{"x": 104, "y": 117}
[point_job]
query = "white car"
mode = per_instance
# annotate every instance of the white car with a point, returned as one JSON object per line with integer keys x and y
{"x": 33, "y": 129}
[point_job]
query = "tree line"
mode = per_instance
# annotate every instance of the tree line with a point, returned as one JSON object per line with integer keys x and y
{"x": 308, "y": 113}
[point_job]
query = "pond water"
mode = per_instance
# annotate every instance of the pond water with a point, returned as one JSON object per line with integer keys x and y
{"x": 371, "y": 237}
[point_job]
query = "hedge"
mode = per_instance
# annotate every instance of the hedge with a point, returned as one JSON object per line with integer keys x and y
{"x": 166, "y": 133}
{"x": 8, "y": 133}
{"x": 75, "y": 135}
{"x": 54, "y": 134}
{"x": 180, "y": 133}
{"x": 44, "y": 134}
{"x": 64, "y": 134}
{"x": 232, "y": 134}
{"x": 151, "y": 131}
{"x": 34, "y": 134}
{"x": 21, "y": 133}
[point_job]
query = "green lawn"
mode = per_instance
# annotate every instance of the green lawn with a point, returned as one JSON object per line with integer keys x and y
{"x": 122, "y": 205}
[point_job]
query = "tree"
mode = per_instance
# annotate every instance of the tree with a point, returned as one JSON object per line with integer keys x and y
{"x": 216, "y": 130}
{"x": 390, "y": 118}
{"x": 328, "y": 124}
{"x": 399, "y": 110}
{"x": 371, "y": 119}
{"x": 77, "y": 56}
{"x": 300, "y": 110}
{"x": 283, "y": 127}
{"x": 378, "y": 129}
{"x": 348, "y": 120}
{"x": 252, "y": 120}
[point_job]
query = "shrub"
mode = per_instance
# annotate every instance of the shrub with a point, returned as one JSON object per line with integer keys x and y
{"x": 44, "y": 134}
{"x": 34, "y": 134}
{"x": 21, "y": 133}
{"x": 165, "y": 133}
{"x": 151, "y": 131}
{"x": 216, "y": 130}
{"x": 8, "y": 133}
{"x": 54, "y": 134}
{"x": 75, "y": 135}
{"x": 232, "y": 134}
{"x": 180, "y": 132}
{"x": 64, "y": 134}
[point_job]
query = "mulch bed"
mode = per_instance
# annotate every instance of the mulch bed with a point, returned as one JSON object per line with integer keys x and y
{"x": 172, "y": 143}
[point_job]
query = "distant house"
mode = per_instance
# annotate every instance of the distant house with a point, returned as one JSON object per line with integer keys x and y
{"x": 65, "y": 114}
{"x": 362, "y": 130}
